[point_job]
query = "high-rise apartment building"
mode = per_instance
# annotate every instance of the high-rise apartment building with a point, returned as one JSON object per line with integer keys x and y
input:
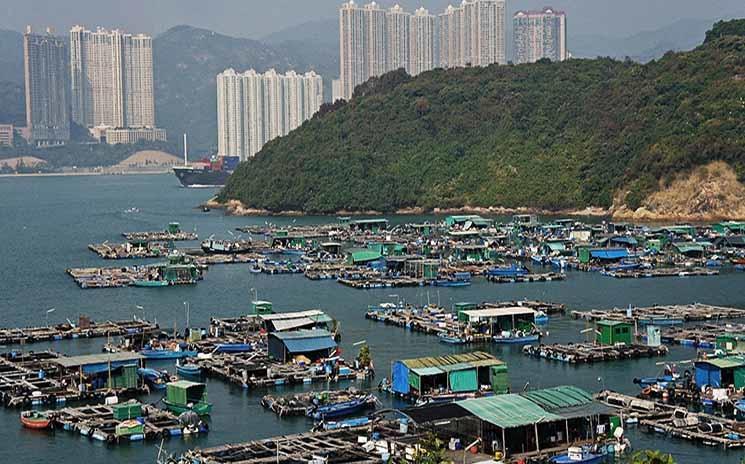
{"x": 540, "y": 34}
{"x": 422, "y": 39}
{"x": 398, "y": 27}
{"x": 374, "y": 41}
{"x": 254, "y": 108}
{"x": 111, "y": 78}
{"x": 47, "y": 104}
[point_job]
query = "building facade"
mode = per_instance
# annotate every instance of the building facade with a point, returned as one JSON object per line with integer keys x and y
{"x": 398, "y": 33}
{"x": 254, "y": 108}
{"x": 6, "y": 135}
{"x": 473, "y": 34}
{"x": 111, "y": 76}
{"x": 47, "y": 102}
{"x": 422, "y": 38}
{"x": 540, "y": 34}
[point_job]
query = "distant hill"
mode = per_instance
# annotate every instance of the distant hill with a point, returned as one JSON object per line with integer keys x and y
{"x": 187, "y": 60}
{"x": 547, "y": 135}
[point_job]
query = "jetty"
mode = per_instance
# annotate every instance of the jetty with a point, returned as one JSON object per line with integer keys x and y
{"x": 84, "y": 329}
{"x": 663, "y": 314}
{"x": 375, "y": 442}
{"x": 587, "y": 353}
{"x": 124, "y": 422}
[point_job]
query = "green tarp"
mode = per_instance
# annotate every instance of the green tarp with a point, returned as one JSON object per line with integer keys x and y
{"x": 740, "y": 377}
{"x": 559, "y": 397}
{"x": 463, "y": 380}
{"x": 508, "y": 411}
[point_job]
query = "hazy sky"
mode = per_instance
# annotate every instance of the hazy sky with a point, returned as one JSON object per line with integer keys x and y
{"x": 256, "y": 18}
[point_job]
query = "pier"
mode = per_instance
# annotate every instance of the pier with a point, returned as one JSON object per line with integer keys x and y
{"x": 528, "y": 278}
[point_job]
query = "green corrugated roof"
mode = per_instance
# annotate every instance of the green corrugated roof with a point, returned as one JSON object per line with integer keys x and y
{"x": 559, "y": 397}
{"x": 556, "y": 246}
{"x": 726, "y": 363}
{"x": 476, "y": 358}
{"x": 507, "y": 411}
{"x": 686, "y": 247}
{"x": 457, "y": 367}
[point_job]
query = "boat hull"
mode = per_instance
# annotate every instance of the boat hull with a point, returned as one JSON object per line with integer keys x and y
{"x": 516, "y": 340}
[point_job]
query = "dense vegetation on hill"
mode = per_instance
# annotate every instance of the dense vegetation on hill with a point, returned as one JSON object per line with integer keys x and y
{"x": 545, "y": 135}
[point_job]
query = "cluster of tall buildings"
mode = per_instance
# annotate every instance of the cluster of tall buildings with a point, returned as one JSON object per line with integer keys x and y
{"x": 105, "y": 83}
{"x": 374, "y": 40}
{"x": 254, "y": 108}
{"x": 539, "y": 34}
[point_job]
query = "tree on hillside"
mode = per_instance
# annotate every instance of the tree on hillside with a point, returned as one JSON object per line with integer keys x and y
{"x": 652, "y": 457}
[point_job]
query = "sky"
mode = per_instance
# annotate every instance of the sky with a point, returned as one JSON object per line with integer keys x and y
{"x": 257, "y": 18}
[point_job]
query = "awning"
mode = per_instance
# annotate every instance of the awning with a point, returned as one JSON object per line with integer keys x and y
{"x": 587, "y": 410}
{"x": 508, "y": 411}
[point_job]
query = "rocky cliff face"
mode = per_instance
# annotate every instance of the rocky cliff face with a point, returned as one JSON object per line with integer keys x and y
{"x": 711, "y": 192}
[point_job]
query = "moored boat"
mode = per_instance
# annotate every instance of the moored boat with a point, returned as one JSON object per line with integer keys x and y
{"x": 507, "y": 337}
{"x": 577, "y": 455}
{"x": 35, "y": 420}
{"x": 188, "y": 369}
{"x": 344, "y": 408}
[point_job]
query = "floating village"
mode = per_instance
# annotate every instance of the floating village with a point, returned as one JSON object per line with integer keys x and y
{"x": 463, "y": 403}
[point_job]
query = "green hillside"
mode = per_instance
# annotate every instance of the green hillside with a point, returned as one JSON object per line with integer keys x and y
{"x": 545, "y": 135}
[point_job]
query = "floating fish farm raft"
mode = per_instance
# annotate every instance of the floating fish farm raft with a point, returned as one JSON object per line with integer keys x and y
{"x": 700, "y": 336}
{"x": 659, "y": 418}
{"x": 129, "y": 251}
{"x": 527, "y": 278}
{"x": 257, "y": 370}
{"x": 131, "y": 276}
{"x": 123, "y": 423}
{"x": 664, "y": 314}
{"x": 436, "y": 320}
{"x": 587, "y": 353}
{"x": 160, "y": 236}
{"x": 85, "y": 329}
{"x": 661, "y": 272}
{"x": 302, "y": 404}
{"x": 349, "y": 445}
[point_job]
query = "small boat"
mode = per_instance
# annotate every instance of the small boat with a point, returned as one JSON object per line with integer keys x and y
{"x": 151, "y": 283}
{"x": 577, "y": 455}
{"x": 512, "y": 270}
{"x": 344, "y": 408}
{"x": 254, "y": 270}
{"x": 541, "y": 317}
{"x": 508, "y": 338}
{"x": 344, "y": 424}
{"x": 154, "y": 378}
{"x": 451, "y": 283}
{"x": 35, "y": 420}
{"x": 451, "y": 339}
{"x": 188, "y": 369}
{"x": 233, "y": 348}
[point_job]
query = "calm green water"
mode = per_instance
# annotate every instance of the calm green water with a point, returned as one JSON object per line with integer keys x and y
{"x": 46, "y": 224}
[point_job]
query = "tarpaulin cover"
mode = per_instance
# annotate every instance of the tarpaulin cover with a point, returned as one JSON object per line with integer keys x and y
{"x": 463, "y": 380}
{"x": 707, "y": 374}
{"x": 559, "y": 397}
{"x": 609, "y": 253}
{"x": 400, "y": 378}
{"x": 309, "y": 345}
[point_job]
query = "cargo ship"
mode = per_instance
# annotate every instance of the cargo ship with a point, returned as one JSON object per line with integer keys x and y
{"x": 206, "y": 173}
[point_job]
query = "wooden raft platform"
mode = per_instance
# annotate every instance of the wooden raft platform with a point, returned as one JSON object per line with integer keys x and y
{"x": 700, "y": 336}
{"x": 529, "y": 278}
{"x": 662, "y": 272}
{"x": 664, "y": 314}
{"x": 84, "y": 329}
{"x": 352, "y": 445}
{"x": 655, "y": 417}
{"x": 301, "y": 404}
{"x": 256, "y": 370}
{"x": 98, "y": 423}
{"x": 585, "y": 353}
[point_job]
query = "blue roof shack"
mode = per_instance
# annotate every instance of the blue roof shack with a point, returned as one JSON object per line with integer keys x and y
{"x": 721, "y": 372}
{"x": 313, "y": 344}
